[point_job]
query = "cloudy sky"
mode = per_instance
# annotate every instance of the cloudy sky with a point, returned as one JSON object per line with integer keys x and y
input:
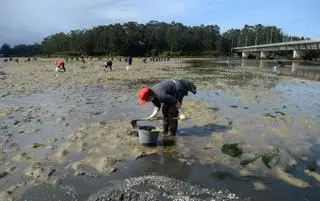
{"x": 28, "y": 21}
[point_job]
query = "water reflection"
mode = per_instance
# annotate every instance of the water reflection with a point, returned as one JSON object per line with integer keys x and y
{"x": 262, "y": 64}
{"x": 294, "y": 66}
{"x": 301, "y": 69}
{"x": 232, "y": 72}
{"x": 243, "y": 62}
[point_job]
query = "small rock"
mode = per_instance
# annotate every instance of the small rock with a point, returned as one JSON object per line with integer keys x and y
{"x": 36, "y": 145}
{"x": 4, "y": 127}
{"x": 93, "y": 175}
{"x": 62, "y": 153}
{"x": 259, "y": 186}
{"x": 293, "y": 162}
{"x": 51, "y": 171}
{"x": 11, "y": 189}
{"x": 113, "y": 169}
{"x": 15, "y": 122}
{"x": 80, "y": 173}
{"x": 96, "y": 113}
{"x": 33, "y": 130}
{"x": 26, "y": 120}
{"x": 102, "y": 122}
{"x": 61, "y": 119}
{"x": 51, "y": 147}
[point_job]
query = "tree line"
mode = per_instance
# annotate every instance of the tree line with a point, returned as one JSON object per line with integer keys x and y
{"x": 152, "y": 38}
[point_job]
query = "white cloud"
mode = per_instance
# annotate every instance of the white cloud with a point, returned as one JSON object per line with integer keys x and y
{"x": 44, "y": 17}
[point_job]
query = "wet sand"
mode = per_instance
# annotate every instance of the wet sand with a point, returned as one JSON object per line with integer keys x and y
{"x": 76, "y": 124}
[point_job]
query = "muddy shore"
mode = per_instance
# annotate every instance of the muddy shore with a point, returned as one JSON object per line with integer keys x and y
{"x": 76, "y": 124}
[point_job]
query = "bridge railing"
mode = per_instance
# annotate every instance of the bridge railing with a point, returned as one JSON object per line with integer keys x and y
{"x": 278, "y": 44}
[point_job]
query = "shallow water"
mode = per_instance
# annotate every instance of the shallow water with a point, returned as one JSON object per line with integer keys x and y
{"x": 292, "y": 68}
{"x": 80, "y": 188}
{"x": 294, "y": 106}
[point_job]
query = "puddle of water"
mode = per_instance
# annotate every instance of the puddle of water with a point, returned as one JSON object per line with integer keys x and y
{"x": 292, "y": 104}
{"x": 301, "y": 69}
{"x": 80, "y": 188}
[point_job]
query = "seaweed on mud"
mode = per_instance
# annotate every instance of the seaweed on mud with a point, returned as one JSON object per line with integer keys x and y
{"x": 36, "y": 145}
{"x": 214, "y": 109}
{"x": 232, "y": 150}
{"x": 267, "y": 158}
{"x": 276, "y": 149}
{"x": 289, "y": 169}
{"x": 3, "y": 174}
{"x": 281, "y": 113}
{"x": 250, "y": 160}
{"x": 269, "y": 115}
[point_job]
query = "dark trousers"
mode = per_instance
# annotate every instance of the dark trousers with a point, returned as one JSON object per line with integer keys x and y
{"x": 108, "y": 66}
{"x": 63, "y": 68}
{"x": 170, "y": 125}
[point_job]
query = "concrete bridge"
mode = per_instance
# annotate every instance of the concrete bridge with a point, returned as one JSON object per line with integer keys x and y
{"x": 299, "y": 48}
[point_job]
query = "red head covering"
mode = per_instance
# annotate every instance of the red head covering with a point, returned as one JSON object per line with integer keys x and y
{"x": 59, "y": 62}
{"x": 144, "y": 94}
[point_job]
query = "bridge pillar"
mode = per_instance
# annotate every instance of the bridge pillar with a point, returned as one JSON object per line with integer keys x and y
{"x": 264, "y": 55}
{"x": 298, "y": 54}
{"x": 245, "y": 55}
